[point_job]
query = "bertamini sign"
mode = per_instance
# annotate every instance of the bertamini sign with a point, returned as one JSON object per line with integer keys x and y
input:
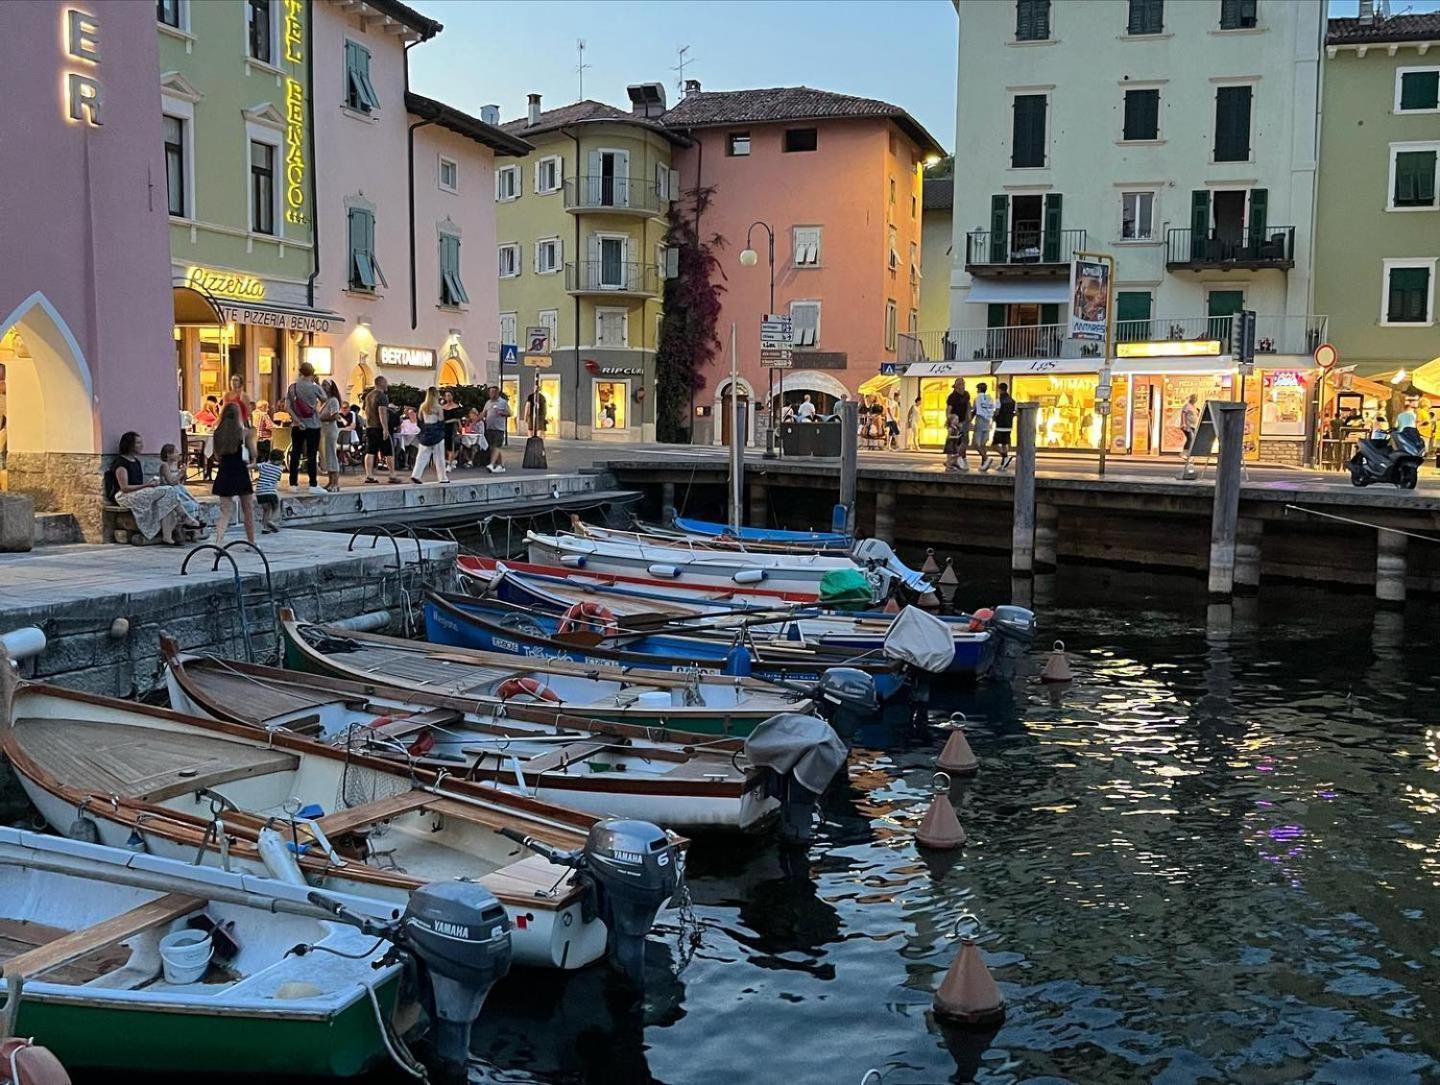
{"x": 294, "y": 119}
{"x": 405, "y": 357}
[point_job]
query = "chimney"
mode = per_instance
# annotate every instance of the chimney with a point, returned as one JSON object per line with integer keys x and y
{"x": 646, "y": 99}
{"x": 692, "y": 86}
{"x": 534, "y": 110}
{"x": 1367, "y": 12}
{"x": 490, "y": 114}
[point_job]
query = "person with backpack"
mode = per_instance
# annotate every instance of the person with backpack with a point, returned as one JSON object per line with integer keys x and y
{"x": 1004, "y": 426}
{"x": 303, "y": 399}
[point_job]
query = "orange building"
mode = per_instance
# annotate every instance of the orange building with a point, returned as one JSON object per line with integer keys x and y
{"x": 838, "y": 180}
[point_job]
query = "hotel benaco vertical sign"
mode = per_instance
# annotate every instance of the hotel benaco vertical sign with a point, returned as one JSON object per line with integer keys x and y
{"x": 81, "y": 32}
{"x": 294, "y": 117}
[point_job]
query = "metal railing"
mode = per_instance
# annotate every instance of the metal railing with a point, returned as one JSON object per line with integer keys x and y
{"x": 612, "y": 276}
{"x": 1025, "y": 245}
{"x": 1273, "y": 335}
{"x": 1271, "y": 246}
{"x": 601, "y": 193}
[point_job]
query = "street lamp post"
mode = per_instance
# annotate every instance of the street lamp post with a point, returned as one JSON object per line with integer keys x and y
{"x": 749, "y": 258}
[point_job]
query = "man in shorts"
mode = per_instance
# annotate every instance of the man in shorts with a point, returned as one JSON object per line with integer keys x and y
{"x": 1004, "y": 425}
{"x": 497, "y": 410}
{"x": 377, "y": 430}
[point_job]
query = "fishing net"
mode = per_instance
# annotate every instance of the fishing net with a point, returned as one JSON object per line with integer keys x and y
{"x": 360, "y": 784}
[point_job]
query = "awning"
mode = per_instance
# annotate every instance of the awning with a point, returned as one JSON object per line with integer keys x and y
{"x": 980, "y": 368}
{"x": 293, "y": 318}
{"x": 1214, "y": 363}
{"x": 1044, "y": 367}
{"x": 194, "y": 309}
{"x": 1019, "y": 291}
{"x": 877, "y": 384}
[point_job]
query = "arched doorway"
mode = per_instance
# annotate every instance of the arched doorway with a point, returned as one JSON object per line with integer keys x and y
{"x": 723, "y": 409}
{"x": 824, "y": 390}
{"x": 361, "y": 378}
{"x": 452, "y": 373}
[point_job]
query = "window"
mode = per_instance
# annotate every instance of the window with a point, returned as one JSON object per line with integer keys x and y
{"x": 262, "y": 187}
{"x": 449, "y": 175}
{"x": 547, "y": 175}
{"x": 1409, "y": 292}
{"x": 667, "y": 182}
{"x": 1221, "y": 307}
{"x": 737, "y": 144}
{"x": 365, "y": 270}
{"x": 452, "y": 287}
{"x": 805, "y": 323}
{"x": 612, "y": 327}
{"x": 801, "y": 139}
{"x": 1146, "y": 17}
{"x": 1132, "y": 315}
{"x": 509, "y": 261}
{"x": 168, "y": 12}
{"x": 890, "y": 329}
{"x": 892, "y": 196}
{"x": 914, "y": 260}
{"x": 1027, "y": 144}
{"x": 1232, "y": 123}
{"x": 257, "y": 30}
{"x": 175, "y": 164}
{"x": 1142, "y": 114}
{"x": 547, "y": 256}
{"x": 509, "y": 329}
{"x": 914, "y": 206}
{"x": 1137, "y": 216}
{"x": 507, "y": 183}
{"x": 1237, "y": 14}
{"x": 359, "y": 91}
{"x": 1412, "y": 176}
{"x": 550, "y": 320}
{"x": 1417, "y": 90}
{"x": 912, "y": 323}
{"x": 892, "y": 260}
{"x": 1032, "y": 20}
{"x": 610, "y": 261}
{"x": 805, "y": 244}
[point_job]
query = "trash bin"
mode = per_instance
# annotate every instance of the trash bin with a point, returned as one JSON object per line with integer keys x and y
{"x": 826, "y": 441}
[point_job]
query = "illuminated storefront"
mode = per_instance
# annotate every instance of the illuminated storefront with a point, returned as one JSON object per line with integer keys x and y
{"x": 612, "y": 398}
{"x": 1064, "y": 388}
{"x": 933, "y": 382}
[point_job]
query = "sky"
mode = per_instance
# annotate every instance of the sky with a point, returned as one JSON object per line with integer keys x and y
{"x": 901, "y": 51}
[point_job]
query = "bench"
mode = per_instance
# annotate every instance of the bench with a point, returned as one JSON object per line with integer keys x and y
{"x": 107, "y": 932}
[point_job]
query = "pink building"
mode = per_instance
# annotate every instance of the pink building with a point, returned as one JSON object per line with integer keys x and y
{"x": 85, "y": 295}
{"x": 434, "y": 320}
{"x": 838, "y": 179}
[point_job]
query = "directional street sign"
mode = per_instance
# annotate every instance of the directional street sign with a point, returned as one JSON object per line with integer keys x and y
{"x": 776, "y": 339}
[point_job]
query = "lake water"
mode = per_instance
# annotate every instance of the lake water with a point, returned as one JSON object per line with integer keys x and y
{"x": 1212, "y": 858}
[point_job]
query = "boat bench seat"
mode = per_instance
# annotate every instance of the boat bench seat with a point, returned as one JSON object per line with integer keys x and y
{"x": 360, "y": 817}
{"x": 107, "y": 932}
{"x": 559, "y": 758}
{"x": 400, "y": 726}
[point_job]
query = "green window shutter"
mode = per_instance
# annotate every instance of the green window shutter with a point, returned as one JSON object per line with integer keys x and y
{"x": 1236, "y": 14}
{"x": 1420, "y": 90}
{"x": 445, "y": 293}
{"x": 1132, "y": 315}
{"x": 1146, "y": 17}
{"x": 1050, "y": 246}
{"x": 1221, "y": 306}
{"x": 1050, "y": 313}
{"x": 1259, "y": 209}
{"x": 1232, "y": 124}
{"x": 362, "y": 240}
{"x": 1409, "y": 294}
{"x": 1027, "y": 143}
{"x": 1414, "y": 178}
{"x": 1142, "y": 114}
{"x": 1032, "y": 20}
{"x": 1199, "y": 221}
{"x": 994, "y": 315}
{"x": 456, "y": 281}
{"x": 999, "y": 228}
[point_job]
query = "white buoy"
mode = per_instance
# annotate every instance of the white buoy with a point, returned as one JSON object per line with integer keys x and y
{"x": 1057, "y": 667}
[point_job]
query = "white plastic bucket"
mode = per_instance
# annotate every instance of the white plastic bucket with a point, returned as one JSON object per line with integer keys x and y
{"x": 186, "y": 955}
{"x": 654, "y": 698}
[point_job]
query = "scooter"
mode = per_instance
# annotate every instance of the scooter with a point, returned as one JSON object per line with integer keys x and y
{"x": 1396, "y": 461}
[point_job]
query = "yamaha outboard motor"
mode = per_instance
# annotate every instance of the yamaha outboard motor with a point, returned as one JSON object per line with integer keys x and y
{"x": 459, "y": 934}
{"x": 797, "y": 756}
{"x": 632, "y": 869}
{"x": 846, "y": 697}
{"x": 1014, "y": 631}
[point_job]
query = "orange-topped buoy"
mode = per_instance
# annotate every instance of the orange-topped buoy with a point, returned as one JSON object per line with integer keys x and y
{"x": 940, "y": 828}
{"x": 930, "y": 566}
{"x": 948, "y": 576}
{"x": 957, "y": 758}
{"x": 968, "y": 994}
{"x": 1057, "y": 667}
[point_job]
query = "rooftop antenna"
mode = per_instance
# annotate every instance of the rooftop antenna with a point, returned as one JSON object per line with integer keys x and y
{"x": 685, "y": 60}
{"x": 581, "y": 66}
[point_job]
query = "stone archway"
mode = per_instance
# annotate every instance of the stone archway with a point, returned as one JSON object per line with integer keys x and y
{"x": 54, "y": 452}
{"x": 722, "y": 409}
{"x": 362, "y": 377}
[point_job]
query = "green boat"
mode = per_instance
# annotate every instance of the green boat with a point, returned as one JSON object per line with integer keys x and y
{"x": 544, "y": 689}
{"x": 84, "y": 973}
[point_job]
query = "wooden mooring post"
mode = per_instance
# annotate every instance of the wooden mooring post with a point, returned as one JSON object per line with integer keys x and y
{"x": 849, "y": 458}
{"x": 1390, "y": 567}
{"x": 1022, "y": 540}
{"x": 1230, "y": 436}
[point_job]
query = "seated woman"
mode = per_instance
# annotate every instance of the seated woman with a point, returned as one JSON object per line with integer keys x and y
{"x": 158, "y": 509}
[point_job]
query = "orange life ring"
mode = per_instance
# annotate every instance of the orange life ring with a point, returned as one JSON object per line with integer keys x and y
{"x": 594, "y": 616}
{"x": 515, "y": 687}
{"x": 980, "y": 620}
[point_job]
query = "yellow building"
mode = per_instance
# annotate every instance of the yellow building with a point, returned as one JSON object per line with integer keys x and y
{"x": 580, "y": 233}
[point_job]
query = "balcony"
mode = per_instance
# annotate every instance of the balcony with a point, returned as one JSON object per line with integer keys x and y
{"x": 1022, "y": 251}
{"x": 614, "y": 196}
{"x": 1270, "y": 247}
{"x": 1273, "y": 335}
{"x": 612, "y": 277}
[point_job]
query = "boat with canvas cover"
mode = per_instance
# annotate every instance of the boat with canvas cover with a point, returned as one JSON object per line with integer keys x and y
{"x": 819, "y": 540}
{"x": 185, "y": 787}
{"x": 643, "y": 532}
{"x": 266, "y": 979}
{"x": 747, "y": 595}
{"x": 608, "y": 769}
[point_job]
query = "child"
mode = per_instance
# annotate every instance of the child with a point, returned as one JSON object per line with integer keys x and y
{"x": 172, "y": 473}
{"x": 953, "y": 436}
{"x": 267, "y": 490}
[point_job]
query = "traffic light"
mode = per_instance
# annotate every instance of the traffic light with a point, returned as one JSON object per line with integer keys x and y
{"x": 1242, "y": 337}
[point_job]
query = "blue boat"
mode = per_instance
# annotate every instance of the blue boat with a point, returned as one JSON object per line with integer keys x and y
{"x": 820, "y": 540}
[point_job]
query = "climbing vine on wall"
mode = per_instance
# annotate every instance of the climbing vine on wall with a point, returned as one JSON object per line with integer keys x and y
{"x": 688, "y": 339}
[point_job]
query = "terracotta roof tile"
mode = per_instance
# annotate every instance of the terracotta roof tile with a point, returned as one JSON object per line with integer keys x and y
{"x": 1424, "y": 26}
{"x": 938, "y": 194}
{"x": 587, "y": 111}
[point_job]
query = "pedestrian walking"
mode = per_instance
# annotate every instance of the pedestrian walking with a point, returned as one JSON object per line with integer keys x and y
{"x": 431, "y": 439}
{"x": 984, "y": 423}
{"x": 1190, "y": 421}
{"x": 953, "y": 441}
{"x": 912, "y": 427}
{"x": 1004, "y": 425}
{"x": 330, "y": 419}
{"x": 267, "y": 490}
{"x": 303, "y": 399}
{"x": 377, "y": 429}
{"x": 497, "y": 410}
{"x": 232, "y": 476}
{"x": 958, "y": 404}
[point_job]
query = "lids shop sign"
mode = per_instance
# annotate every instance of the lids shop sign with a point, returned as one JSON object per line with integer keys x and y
{"x": 405, "y": 357}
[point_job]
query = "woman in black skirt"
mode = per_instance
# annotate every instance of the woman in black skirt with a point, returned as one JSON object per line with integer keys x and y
{"x": 232, "y": 477}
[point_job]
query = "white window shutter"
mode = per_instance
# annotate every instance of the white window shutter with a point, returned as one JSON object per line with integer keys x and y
{"x": 674, "y": 184}
{"x": 624, "y": 328}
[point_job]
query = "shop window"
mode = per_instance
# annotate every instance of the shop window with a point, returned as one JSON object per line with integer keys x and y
{"x": 510, "y": 389}
{"x": 1032, "y": 20}
{"x": 612, "y": 328}
{"x": 737, "y": 144}
{"x": 612, "y": 399}
{"x": 549, "y": 388}
{"x": 175, "y": 165}
{"x": 1137, "y": 216}
{"x": 262, "y": 187}
{"x": 1027, "y": 137}
{"x": 801, "y": 139}
{"x": 452, "y": 287}
{"x": 365, "y": 273}
{"x": 1142, "y": 114}
{"x": 1417, "y": 90}
{"x": 1412, "y": 176}
{"x": 547, "y": 175}
{"x": 1238, "y": 14}
{"x": 1066, "y": 416}
{"x": 548, "y": 255}
{"x": 805, "y": 323}
{"x": 1283, "y": 403}
{"x": 1146, "y": 17}
{"x": 449, "y": 175}
{"x": 259, "y": 34}
{"x": 507, "y": 183}
{"x": 1409, "y": 292}
{"x": 1232, "y": 123}
{"x": 359, "y": 91}
{"x": 509, "y": 261}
